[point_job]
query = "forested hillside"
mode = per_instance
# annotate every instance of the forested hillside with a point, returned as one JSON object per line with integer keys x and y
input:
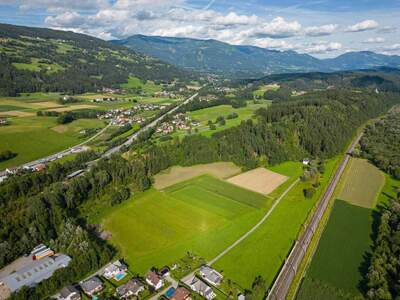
{"x": 241, "y": 61}
{"x": 40, "y": 59}
{"x": 381, "y": 143}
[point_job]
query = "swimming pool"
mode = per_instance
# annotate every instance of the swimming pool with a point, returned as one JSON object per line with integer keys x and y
{"x": 170, "y": 292}
{"x": 119, "y": 276}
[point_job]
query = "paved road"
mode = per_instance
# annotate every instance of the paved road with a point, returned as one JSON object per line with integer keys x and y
{"x": 281, "y": 285}
{"x": 144, "y": 128}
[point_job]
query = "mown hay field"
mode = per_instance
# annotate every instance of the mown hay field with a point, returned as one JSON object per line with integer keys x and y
{"x": 177, "y": 174}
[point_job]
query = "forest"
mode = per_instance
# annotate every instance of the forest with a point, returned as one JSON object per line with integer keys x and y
{"x": 381, "y": 143}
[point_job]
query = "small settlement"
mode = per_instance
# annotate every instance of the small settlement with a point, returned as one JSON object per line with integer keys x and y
{"x": 115, "y": 278}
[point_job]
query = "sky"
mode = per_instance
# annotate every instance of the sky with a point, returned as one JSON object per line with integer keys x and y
{"x": 322, "y": 28}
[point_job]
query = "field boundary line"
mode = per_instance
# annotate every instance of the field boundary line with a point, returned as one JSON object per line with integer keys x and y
{"x": 255, "y": 227}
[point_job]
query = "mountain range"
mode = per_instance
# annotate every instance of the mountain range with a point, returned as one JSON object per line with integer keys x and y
{"x": 212, "y": 56}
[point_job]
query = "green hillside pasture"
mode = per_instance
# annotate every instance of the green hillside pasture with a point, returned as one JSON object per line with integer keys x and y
{"x": 36, "y": 137}
{"x": 340, "y": 257}
{"x": 148, "y": 86}
{"x": 389, "y": 190}
{"x": 264, "y": 251}
{"x": 259, "y": 93}
{"x": 203, "y": 216}
{"x": 362, "y": 183}
{"x": 211, "y": 113}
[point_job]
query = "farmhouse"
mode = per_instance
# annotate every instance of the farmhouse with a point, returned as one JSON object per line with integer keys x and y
{"x": 34, "y": 272}
{"x": 69, "y": 293}
{"x": 116, "y": 270}
{"x": 131, "y": 288}
{"x": 200, "y": 287}
{"x": 92, "y": 286}
{"x": 154, "y": 280}
{"x": 3, "y": 121}
{"x": 181, "y": 294}
{"x": 210, "y": 275}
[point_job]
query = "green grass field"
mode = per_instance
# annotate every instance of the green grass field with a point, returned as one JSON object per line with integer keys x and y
{"x": 263, "y": 252}
{"x": 339, "y": 263}
{"x": 203, "y": 215}
{"x": 148, "y": 86}
{"x": 35, "y": 137}
{"x": 362, "y": 183}
{"x": 340, "y": 257}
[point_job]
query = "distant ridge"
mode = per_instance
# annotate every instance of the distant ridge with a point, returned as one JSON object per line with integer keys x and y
{"x": 212, "y": 56}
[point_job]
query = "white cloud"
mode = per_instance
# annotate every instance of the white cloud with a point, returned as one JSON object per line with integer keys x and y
{"x": 274, "y": 44}
{"x": 67, "y": 19}
{"x": 376, "y": 40}
{"x": 363, "y": 26}
{"x": 323, "y": 47}
{"x": 394, "y": 47}
{"x": 277, "y": 28}
{"x": 387, "y": 29}
{"x": 234, "y": 19}
{"x": 321, "y": 30}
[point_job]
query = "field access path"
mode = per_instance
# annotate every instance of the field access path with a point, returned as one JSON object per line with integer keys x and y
{"x": 288, "y": 272}
{"x": 234, "y": 244}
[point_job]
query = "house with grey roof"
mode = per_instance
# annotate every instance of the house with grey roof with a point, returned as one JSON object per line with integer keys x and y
{"x": 35, "y": 272}
{"x": 200, "y": 287}
{"x": 210, "y": 275}
{"x": 69, "y": 293}
{"x": 92, "y": 286}
{"x": 131, "y": 288}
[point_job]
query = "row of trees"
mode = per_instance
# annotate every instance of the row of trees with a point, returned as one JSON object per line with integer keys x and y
{"x": 383, "y": 278}
{"x": 381, "y": 143}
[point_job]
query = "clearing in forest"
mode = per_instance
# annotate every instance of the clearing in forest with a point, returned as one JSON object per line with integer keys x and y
{"x": 177, "y": 174}
{"x": 259, "y": 180}
{"x": 362, "y": 183}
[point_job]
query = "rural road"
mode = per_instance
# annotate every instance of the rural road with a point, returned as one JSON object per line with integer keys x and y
{"x": 282, "y": 283}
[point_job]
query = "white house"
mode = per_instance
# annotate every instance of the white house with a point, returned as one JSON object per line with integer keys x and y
{"x": 116, "y": 270}
{"x": 200, "y": 287}
{"x": 154, "y": 280}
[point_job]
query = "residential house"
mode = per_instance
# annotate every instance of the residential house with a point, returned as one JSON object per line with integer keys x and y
{"x": 131, "y": 288}
{"x": 92, "y": 286}
{"x": 181, "y": 294}
{"x": 154, "y": 280}
{"x": 210, "y": 275}
{"x": 70, "y": 293}
{"x": 116, "y": 270}
{"x": 241, "y": 297}
{"x": 200, "y": 287}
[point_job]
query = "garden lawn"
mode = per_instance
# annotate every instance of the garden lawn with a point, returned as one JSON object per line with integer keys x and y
{"x": 203, "y": 215}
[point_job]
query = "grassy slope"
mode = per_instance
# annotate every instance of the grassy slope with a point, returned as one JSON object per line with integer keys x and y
{"x": 148, "y": 86}
{"x": 263, "y": 252}
{"x": 198, "y": 216}
{"x": 211, "y": 113}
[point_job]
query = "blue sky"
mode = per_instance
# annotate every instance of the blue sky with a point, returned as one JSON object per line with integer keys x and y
{"x": 323, "y": 28}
